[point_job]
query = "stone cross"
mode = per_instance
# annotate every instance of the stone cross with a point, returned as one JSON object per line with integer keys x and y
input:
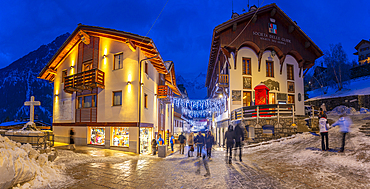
{"x": 32, "y": 105}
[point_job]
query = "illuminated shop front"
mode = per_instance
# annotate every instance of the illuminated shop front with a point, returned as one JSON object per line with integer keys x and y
{"x": 145, "y": 140}
{"x": 97, "y": 135}
{"x": 120, "y": 136}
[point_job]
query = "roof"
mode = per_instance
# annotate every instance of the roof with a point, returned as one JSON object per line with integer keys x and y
{"x": 145, "y": 44}
{"x": 360, "y": 43}
{"x": 171, "y": 78}
{"x": 215, "y": 46}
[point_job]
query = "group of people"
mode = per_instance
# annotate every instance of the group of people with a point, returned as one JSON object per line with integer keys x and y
{"x": 344, "y": 124}
{"x": 234, "y": 136}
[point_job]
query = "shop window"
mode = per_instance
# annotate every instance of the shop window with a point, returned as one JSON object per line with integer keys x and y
{"x": 145, "y": 140}
{"x": 246, "y": 66}
{"x": 145, "y": 100}
{"x": 97, "y": 135}
{"x": 290, "y": 99}
{"x": 118, "y": 61}
{"x": 247, "y": 98}
{"x": 88, "y": 101}
{"x": 120, "y": 136}
{"x": 117, "y": 98}
{"x": 269, "y": 69}
{"x": 290, "y": 73}
{"x": 64, "y": 75}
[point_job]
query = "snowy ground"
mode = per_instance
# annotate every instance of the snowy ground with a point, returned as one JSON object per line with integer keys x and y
{"x": 299, "y": 162}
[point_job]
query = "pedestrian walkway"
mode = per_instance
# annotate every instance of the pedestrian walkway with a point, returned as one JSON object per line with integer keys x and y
{"x": 104, "y": 168}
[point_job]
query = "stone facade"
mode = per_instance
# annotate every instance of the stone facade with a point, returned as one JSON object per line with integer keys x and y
{"x": 356, "y": 101}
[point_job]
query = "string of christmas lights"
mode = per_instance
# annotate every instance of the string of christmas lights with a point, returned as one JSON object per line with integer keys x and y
{"x": 200, "y": 108}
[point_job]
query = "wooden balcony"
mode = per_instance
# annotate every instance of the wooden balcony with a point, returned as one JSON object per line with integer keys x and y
{"x": 84, "y": 81}
{"x": 165, "y": 93}
{"x": 223, "y": 80}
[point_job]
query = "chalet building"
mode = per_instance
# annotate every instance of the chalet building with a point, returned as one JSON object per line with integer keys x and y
{"x": 363, "y": 52}
{"x": 258, "y": 60}
{"x": 113, "y": 88}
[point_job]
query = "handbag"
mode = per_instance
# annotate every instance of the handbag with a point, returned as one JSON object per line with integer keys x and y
{"x": 191, "y": 148}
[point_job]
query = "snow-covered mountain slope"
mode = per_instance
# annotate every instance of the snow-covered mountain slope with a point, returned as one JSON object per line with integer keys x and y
{"x": 18, "y": 82}
{"x": 194, "y": 86}
{"x": 358, "y": 86}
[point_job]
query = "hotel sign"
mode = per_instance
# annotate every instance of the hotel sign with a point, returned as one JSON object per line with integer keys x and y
{"x": 272, "y": 38}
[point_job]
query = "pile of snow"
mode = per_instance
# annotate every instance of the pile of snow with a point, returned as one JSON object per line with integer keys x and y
{"x": 23, "y": 164}
{"x": 364, "y": 110}
{"x": 340, "y": 110}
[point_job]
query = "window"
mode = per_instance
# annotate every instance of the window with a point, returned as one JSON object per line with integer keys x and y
{"x": 271, "y": 98}
{"x": 290, "y": 87}
{"x": 118, "y": 64}
{"x": 117, "y": 98}
{"x": 146, "y": 68}
{"x": 145, "y": 100}
{"x": 290, "y": 99}
{"x": 269, "y": 69}
{"x": 120, "y": 136}
{"x": 86, "y": 101}
{"x": 64, "y": 75}
{"x": 87, "y": 66}
{"x": 290, "y": 73}
{"x": 246, "y": 66}
{"x": 247, "y": 98}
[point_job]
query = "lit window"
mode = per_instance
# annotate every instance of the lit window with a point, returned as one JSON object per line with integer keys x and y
{"x": 118, "y": 61}
{"x": 290, "y": 99}
{"x": 246, "y": 66}
{"x": 86, "y": 101}
{"x": 117, "y": 98}
{"x": 87, "y": 66}
{"x": 290, "y": 73}
{"x": 269, "y": 69}
{"x": 247, "y": 98}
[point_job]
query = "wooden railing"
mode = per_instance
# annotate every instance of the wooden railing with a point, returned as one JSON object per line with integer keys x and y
{"x": 84, "y": 80}
{"x": 263, "y": 111}
{"x": 223, "y": 79}
{"x": 165, "y": 93}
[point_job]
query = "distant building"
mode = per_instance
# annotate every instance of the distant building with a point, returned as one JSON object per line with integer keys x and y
{"x": 363, "y": 52}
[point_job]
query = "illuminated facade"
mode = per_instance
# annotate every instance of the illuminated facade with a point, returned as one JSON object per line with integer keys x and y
{"x": 108, "y": 86}
{"x": 363, "y": 52}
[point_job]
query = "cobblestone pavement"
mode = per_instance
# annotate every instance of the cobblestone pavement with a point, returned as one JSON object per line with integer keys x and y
{"x": 102, "y": 168}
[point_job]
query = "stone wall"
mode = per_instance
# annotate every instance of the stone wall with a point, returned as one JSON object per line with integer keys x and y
{"x": 357, "y": 102}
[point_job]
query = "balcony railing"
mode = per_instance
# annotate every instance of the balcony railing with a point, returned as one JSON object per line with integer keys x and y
{"x": 263, "y": 111}
{"x": 84, "y": 81}
{"x": 223, "y": 80}
{"x": 165, "y": 93}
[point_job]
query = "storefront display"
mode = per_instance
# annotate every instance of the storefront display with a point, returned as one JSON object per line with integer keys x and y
{"x": 145, "y": 140}
{"x": 97, "y": 135}
{"x": 120, "y": 136}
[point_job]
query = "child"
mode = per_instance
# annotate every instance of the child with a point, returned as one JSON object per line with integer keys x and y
{"x": 324, "y": 127}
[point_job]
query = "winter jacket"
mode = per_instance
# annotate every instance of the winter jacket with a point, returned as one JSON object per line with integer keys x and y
{"x": 239, "y": 134}
{"x": 154, "y": 143}
{"x": 172, "y": 140}
{"x": 209, "y": 140}
{"x": 160, "y": 141}
{"x": 344, "y": 124}
{"x": 199, "y": 139}
{"x": 229, "y": 137}
{"x": 182, "y": 139}
{"x": 191, "y": 140}
{"x": 324, "y": 125}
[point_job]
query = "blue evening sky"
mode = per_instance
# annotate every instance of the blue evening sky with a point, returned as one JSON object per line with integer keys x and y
{"x": 183, "y": 32}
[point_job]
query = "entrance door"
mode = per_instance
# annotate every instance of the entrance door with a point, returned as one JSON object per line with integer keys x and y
{"x": 247, "y": 98}
{"x": 272, "y": 98}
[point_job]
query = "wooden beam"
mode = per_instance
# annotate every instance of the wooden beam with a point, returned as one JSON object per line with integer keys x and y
{"x": 84, "y": 37}
{"x": 51, "y": 71}
{"x": 131, "y": 45}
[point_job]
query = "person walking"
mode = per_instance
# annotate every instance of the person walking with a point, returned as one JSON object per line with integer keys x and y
{"x": 182, "y": 140}
{"x": 323, "y": 107}
{"x": 229, "y": 138}
{"x": 160, "y": 140}
{"x": 154, "y": 146}
{"x": 199, "y": 140}
{"x": 344, "y": 123}
{"x": 209, "y": 142}
{"x": 324, "y": 127}
{"x": 239, "y": 139}
{"x": 191, "y": 144}
{"x": 172, "y": 142}
{"x": 71, "y": 139}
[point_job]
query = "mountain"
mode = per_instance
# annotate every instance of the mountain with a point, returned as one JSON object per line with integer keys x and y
{"x": 194, "y": 86}
{"x": 18, "y": 82}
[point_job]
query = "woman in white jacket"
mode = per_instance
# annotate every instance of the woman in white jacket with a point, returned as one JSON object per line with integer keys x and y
{"x": 324, "y": 127}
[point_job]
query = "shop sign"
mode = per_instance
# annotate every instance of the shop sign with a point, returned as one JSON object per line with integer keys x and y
{"x": 272, "y": 38}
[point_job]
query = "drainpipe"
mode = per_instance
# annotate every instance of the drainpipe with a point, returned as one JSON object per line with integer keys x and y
{"x": 140, "y": 91}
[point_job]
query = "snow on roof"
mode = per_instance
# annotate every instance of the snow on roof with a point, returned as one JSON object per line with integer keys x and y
{"x": 358, "y": 86}
{"x": 12, "y": 123}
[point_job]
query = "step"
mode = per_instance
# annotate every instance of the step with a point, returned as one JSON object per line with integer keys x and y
{"x": 365, "y": 132}
{"x": 364, "y": 128}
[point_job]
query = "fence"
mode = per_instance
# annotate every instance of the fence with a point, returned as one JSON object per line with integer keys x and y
{"x": 37, "y": 141}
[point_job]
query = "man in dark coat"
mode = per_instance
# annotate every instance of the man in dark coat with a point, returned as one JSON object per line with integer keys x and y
{"x": 182, "y": 140}
{"x": 229, "y": 138}
{"x": 209, "y": 142}
{"x": 239, "y": 138}
{"x": 199, "y": 140}
{"x": 71, "y": 139}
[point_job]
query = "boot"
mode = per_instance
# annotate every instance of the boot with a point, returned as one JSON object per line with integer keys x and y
{"x": 207, "y": 174}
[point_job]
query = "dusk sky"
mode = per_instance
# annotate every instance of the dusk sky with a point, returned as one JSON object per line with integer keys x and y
{"x": 183, "y": 32}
